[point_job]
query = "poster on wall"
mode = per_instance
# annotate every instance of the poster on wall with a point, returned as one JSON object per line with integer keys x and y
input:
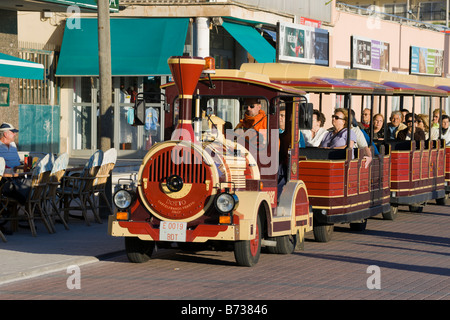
{"x": 369, "y": 54}
{"x": 426, "y": 61}
{"x": 302, "y": 44}
{"x": 4, "y": 94}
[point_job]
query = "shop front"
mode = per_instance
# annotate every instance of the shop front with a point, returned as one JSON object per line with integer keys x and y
{"x": 140, "y": 48}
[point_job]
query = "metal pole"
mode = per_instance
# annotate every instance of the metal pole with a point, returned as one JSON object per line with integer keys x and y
{"x": 105, "y": 122}
{"x": 104, "y": 58}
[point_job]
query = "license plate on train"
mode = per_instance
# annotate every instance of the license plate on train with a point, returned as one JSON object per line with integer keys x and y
{"x": 172, "y": 231}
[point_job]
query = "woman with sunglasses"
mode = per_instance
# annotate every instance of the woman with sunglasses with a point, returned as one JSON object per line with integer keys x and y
{"x": 405, "y": 134}
{"x": 336, "y": 138}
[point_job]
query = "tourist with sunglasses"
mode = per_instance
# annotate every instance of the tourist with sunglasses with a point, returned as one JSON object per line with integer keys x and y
{"x": 405, "y": 134}
{"x": 254, "y": 116}
{"x": 336, "y": 138}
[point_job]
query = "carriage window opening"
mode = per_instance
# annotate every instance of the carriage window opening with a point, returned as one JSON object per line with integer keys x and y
{"x": 225, "y": 109}
{"x": 233, "y": 114}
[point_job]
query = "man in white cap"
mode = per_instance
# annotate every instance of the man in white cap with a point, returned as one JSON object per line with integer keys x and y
{"x": 8, "y": 148}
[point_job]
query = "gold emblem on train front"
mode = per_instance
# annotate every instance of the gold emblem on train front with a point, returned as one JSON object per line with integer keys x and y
{"x": 177, "y": 195}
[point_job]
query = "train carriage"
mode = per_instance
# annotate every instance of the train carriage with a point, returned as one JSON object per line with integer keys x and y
{"x": 418, "y": 173}
{"x": 443, "y": 201}
{"x": 206, "y": 184}
{"x": 417, "y": 169}
{"x": 341, "y": 189}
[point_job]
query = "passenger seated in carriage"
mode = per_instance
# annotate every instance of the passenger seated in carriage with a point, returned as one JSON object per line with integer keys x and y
{"x": 336, "y": 137}
{"x": 405, "y": 134}
{"x": 314, "y": 137}
{"x": 378, "y": 127}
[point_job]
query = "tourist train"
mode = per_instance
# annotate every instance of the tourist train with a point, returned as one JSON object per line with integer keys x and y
{"x": 220, "y": 180}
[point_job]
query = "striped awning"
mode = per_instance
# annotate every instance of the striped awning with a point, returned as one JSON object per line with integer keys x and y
{"x": 13, "y": 67}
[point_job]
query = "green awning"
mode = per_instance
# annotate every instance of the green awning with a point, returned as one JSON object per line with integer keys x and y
{"x": 13, "y": 67}
{"x": 252, "y": 41}
{"x": 139, "y": 46}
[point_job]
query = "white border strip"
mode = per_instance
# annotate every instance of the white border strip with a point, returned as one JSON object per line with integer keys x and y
{"x": 21, "y": 64}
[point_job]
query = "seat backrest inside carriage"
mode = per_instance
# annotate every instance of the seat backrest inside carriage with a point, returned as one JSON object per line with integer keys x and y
{"x": 433, "y": 144}
{"x": 313, "y": 153}
{"x": 383, "y": 148}
{"x": 405, "y": 145}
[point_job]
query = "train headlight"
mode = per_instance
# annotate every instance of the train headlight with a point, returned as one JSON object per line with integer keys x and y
{"x": 226, "y": 202}
{"x": 123, "y": 198}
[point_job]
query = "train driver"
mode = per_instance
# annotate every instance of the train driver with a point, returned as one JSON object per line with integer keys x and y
{"x": 254, "y": 118}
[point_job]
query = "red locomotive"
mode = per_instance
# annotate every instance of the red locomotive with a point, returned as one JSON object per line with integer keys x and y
{"x": 209, "y": 183}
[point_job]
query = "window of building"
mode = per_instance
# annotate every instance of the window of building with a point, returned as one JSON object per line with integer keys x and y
{"x": 38, "y": 91}
{"x": 396, "y": 9}
{"x": 222, "y": 48}
{"x": 432, "y": 10}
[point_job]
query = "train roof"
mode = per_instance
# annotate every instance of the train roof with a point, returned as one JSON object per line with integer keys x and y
{"x": 332, "y": 85}
{"x": 313, "y": 78}
{"x": 403, "y": 84}
{"x": 402, "y": 88}
{"x": 246, "y": 77}
{"x": 437, "y": 82}
{"x": 444, "y": 88}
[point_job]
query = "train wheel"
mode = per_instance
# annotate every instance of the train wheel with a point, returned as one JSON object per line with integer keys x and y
{"x": 442, "y": 201}
{"x": 138, "y": 251}
{"x": 285, "y": 244}
{"x": 358, "y": 226}
{"x": 417, "y": 207}
{"x": 392, "y": 214}
{"x": 323, "y": 232}
{"x": 247, "y": 252}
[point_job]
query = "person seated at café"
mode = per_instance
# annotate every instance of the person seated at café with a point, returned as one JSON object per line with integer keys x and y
{"x": 8, "y": 148}
{"x": 314, "y": 137}
{"x": 19, "y": 186}
{"x": 12, "y": 187}
{"x": 395, "y": 126}
{"x": 405, "y": 134}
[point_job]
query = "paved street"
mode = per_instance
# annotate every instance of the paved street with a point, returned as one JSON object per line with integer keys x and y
{"x": 405, "y": 259}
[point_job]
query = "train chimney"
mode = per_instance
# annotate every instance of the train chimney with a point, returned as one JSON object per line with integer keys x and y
{"x": 186, "y": 72}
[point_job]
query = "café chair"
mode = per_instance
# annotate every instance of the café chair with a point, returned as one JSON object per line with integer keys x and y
{"x": 58, "y": 171}
{"x": 76, "y": 188}
{"x": 32, "y": 206}
{"x": 108, "y": 163}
